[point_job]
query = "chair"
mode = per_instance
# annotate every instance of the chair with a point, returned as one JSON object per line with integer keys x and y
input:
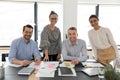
{"x": 3, "y": 56}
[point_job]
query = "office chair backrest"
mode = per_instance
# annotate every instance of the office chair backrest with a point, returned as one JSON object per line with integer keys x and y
{"x": 3, "y": 56}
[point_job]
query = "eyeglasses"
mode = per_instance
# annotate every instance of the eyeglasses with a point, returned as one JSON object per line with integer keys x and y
{"x": 53, "y": 18}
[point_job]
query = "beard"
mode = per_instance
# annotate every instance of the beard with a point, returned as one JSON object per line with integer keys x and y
{"x": 27, "y": 37}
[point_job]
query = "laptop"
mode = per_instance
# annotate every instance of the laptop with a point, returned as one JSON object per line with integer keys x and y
{"x": 26, "y": 71}
{"x": 90, "y": 71}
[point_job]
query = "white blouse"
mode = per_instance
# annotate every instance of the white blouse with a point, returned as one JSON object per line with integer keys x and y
{"x": 101, "y": 39}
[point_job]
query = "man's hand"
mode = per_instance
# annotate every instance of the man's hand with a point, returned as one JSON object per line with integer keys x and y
{"x": 75, "y": 61}
{"x": 37, "y": 61}
{"x": 25, "y": 62}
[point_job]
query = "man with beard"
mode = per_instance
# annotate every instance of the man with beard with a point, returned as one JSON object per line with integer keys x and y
{"x": 23, "y": 49}
{"x": 74, "y": 49}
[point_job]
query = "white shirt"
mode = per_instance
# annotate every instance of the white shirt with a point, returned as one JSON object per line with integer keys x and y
{"x": 101, "y": 39}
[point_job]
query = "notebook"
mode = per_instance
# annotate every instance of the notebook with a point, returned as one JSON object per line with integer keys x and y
{"x": 90, "y": 71}
{"x": 26, "y": 71}
{"x": 65, "y": 70}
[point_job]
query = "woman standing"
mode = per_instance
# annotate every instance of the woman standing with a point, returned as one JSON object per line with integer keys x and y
{"x": 51, "y": 39}
{"x": 102, "y": 42}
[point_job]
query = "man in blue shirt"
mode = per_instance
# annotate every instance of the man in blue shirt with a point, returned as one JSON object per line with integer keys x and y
{"x": 74, "y": 49}
{"x": 23, "y": 49}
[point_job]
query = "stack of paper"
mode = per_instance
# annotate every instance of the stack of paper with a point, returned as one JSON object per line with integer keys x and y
{"x": 67, "y": 64}
{"x": 7, "y": 63}
{"x": 91, "y": 64}
{"x": 91, "y": 60}
{"x": 47, "y": 69}
{"x": 46, "y": 73}
{"x": 90, "y": 71}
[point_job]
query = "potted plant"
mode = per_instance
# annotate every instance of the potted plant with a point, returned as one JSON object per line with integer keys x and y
{"x": 111, "y": 74}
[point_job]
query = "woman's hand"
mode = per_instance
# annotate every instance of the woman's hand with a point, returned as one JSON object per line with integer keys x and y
{"x": 46, "y": 58}
{"x": 58, "y": 56}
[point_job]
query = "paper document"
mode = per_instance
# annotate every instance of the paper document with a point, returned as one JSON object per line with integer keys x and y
{"x": 7, "y": 63}
{"x": 46, "y": 73}
{"x": 67, "y": 64}
{"x": 91, "y": 60}
{"x": 49, "y": 64}
{"x": 90, "y": 64}
{"x": 90, "y": 71}
{"x": 12, "y": 65}
{"x": 47, "y": 69}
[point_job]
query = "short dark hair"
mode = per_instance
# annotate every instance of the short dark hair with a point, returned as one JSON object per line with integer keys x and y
{"x": 28, "y": 26}
{"x": 52, "y": 12}
{"x": 72, "y": 28}
{"x": 93, "y": 16}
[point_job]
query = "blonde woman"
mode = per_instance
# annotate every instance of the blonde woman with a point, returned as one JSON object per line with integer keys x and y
{"x": 51, "y": 39}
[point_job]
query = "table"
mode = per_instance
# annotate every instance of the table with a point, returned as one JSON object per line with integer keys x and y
{"x": 11, "y": 74}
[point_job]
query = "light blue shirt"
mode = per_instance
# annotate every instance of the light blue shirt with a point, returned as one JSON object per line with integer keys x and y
{"x": 23, "y": 51}
{"x": 77, "y": 51}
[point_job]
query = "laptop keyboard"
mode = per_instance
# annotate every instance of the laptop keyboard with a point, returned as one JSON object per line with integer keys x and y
{"x": 26, "y": 71}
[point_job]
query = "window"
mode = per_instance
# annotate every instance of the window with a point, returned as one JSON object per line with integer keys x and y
{"x": 44, "y": 10}
{"x": 83, "y": 25}
{"x": 13, "y": 16}
{"x": 109, "y": 16}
